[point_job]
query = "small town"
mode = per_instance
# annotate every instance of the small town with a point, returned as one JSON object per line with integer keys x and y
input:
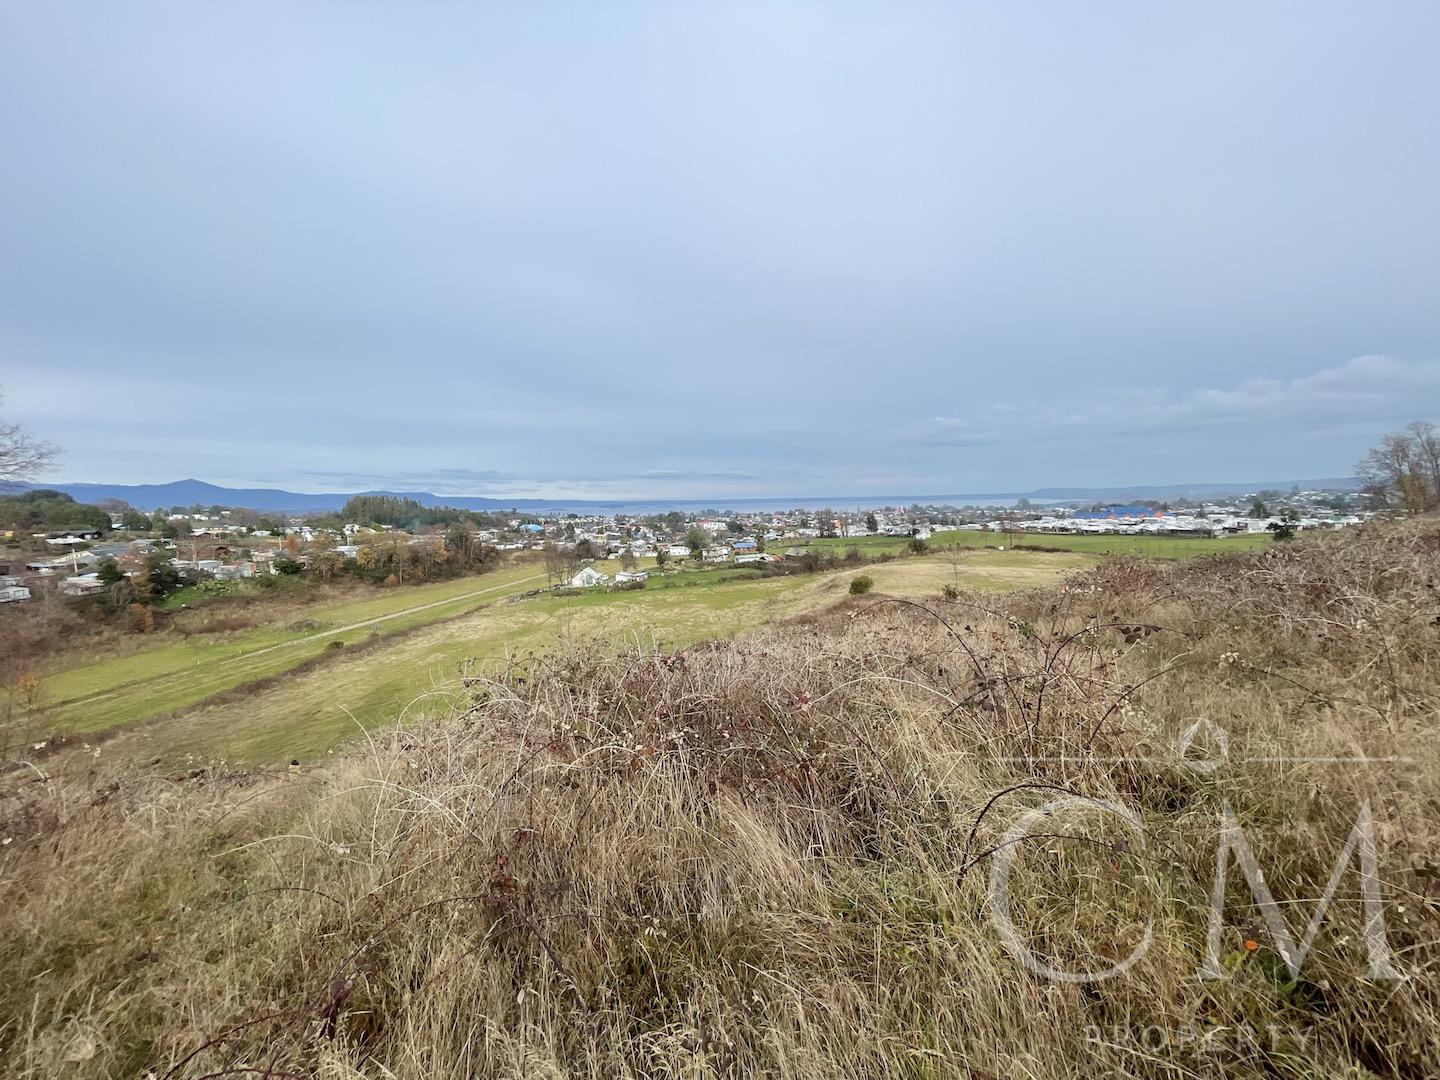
{"x": 233, "y": 544}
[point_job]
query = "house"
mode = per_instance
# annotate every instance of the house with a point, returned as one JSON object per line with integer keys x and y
{"x": 746, "y": 545}
{"x": 626, "y": 576}
{"x": 74, "y": 561}
{"x": 9, "y": 594}
{"x": 82, "y": 585}
{"x": 678, "y": 551}
{"x": 588, "y": 578}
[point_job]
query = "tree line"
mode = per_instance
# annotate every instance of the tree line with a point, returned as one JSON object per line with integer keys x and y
{"x": 50, "y": 511}
{"x": 408, "y": 513}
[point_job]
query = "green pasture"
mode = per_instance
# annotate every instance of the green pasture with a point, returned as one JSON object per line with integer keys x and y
{"x": 122, "y": 689}
{"x": 1153, "y": 547}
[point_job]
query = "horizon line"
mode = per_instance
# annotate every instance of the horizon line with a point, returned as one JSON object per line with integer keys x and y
{"x": 518, "y": 499}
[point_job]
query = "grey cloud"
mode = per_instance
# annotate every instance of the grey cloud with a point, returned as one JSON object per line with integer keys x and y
{"x": 496, "y": 482}
{"x": 711, "y": 249}
{"x": 1379, "y": 389}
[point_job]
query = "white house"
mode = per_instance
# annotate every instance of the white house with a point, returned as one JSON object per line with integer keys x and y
{"x": 72, "y": 562}
{"x": 630, "y": 575}
{"x": 588, "y": 578}
{"x": 82, "y": 585}
{"x": 235, "y": 571}
{"x": 678, "y": 551}
{"x": 11, "y": 593}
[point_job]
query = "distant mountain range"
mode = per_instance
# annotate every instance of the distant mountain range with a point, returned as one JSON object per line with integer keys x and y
{"x": 191, "y": 492}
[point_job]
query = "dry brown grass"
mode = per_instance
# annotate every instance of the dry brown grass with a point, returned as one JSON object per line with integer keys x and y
{"x": 772, "y": 856}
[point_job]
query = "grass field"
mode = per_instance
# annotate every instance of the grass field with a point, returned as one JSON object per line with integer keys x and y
{"x": 309, "y": 711}
{"x": 122, "y": 689}
{"x": 1152, "y": 547}
{"x": 976, "y": 568}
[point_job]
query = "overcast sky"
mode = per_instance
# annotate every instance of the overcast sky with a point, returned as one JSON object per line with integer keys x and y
{"x": 625, "y": 249}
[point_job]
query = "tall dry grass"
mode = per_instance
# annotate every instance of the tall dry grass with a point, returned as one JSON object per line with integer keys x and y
{"x": 774, "y": 856}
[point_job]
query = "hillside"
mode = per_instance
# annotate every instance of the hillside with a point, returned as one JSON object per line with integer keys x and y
{"x": 802, "y": 852}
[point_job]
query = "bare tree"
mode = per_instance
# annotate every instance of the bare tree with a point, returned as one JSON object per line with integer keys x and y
{"x": 569, "y": 564}
{"x": 554, "y": 564}
{"x": 1401, "y": 467}
{"x": 22, "y": 456}
{"x": 1427, "y": 455}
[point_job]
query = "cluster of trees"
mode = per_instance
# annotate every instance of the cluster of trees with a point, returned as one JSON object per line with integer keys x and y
{"x": 396, "y": 561}
{"x": 1404, "y": 470}
{"x": 156, "y": 579}
{"x": 563, "y": 563}
{"x": 407, "y": 513}
{"x": 51, "y": 511}
{"x": 670, "y": 521}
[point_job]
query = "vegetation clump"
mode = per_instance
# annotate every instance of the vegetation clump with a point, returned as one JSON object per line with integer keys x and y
{"x": 790, "y": 853}
{"x": 50, "y": 510}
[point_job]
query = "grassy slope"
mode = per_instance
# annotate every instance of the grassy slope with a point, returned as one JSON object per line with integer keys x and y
{"x": 122, "y": 689}
{"x": 419, "y": 674}
{"x": 312, "y": 711}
